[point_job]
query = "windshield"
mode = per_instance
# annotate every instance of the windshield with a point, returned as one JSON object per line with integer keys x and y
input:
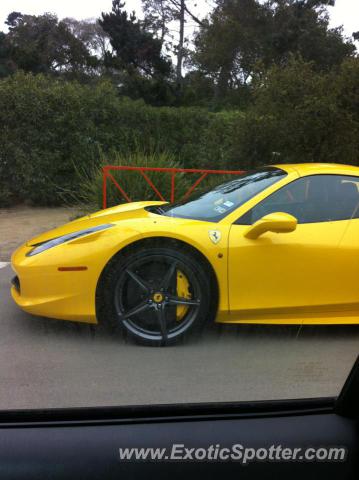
{"x": 213, "y": 205}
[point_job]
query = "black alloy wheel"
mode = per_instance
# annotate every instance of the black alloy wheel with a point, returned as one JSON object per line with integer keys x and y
{"x": 158, "y": 295}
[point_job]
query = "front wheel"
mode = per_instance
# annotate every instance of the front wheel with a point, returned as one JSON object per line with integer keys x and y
{"x": 157, "y": 294}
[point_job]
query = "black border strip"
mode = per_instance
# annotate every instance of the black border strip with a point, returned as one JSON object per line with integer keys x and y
{"x": 164, "y": 413}
{"x": 347, "y": 403}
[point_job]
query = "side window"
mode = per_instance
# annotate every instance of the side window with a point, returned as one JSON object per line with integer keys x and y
{"x": 316, "y": 198}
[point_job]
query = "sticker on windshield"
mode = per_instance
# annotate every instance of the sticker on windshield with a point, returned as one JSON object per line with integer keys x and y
{"x": 228, "y": 204}
{"x": 219, "y": 209}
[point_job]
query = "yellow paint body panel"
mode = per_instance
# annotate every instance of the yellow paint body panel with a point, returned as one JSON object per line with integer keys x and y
{"x": 309, "y": 275}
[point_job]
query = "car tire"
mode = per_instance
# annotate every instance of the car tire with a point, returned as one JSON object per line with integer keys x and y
{"x": 139, "y": 292}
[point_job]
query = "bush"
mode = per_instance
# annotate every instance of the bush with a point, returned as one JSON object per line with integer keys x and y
{"x": 307, "y": 116}
{"x": 51, "y": 128}
{"x": 89, "y": 181}
{"x": 88, "y": 194}
{"x": 46, "y": 127}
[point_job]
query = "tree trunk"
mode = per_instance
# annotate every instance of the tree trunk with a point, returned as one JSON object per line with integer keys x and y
{"x": 179, "y": 78}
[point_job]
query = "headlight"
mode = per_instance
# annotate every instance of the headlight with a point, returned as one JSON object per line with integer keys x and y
{"x": 41, "y": 247}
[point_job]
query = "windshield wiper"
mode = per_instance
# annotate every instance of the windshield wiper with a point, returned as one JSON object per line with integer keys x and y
{"x": 156, "y": 209}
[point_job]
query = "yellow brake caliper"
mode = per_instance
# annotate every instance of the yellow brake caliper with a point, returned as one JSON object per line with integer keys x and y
{"x": 182, "y": 291}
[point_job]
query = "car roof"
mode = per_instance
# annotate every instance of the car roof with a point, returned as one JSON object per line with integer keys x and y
{"x": 304, "y": 169}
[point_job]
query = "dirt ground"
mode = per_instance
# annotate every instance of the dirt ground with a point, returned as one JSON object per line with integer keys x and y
{"x": 21, "y": 223}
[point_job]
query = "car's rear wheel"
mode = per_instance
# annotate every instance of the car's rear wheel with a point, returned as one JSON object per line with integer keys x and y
{"x": 158, "y": 295}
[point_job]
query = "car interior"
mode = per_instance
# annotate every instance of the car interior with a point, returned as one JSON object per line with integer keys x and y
{"x": 317, "y": 198}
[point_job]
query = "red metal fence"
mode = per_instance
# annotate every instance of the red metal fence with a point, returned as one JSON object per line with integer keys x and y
{"x": 172, "y": 178}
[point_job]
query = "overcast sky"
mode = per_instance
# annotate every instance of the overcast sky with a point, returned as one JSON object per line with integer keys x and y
{"x": 345, "y": 12}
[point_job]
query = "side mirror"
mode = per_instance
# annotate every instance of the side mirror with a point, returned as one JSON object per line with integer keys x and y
{"x": 278, "y": 222}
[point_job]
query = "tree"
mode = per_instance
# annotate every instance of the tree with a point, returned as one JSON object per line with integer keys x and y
{"x": 159, "y": 16}
{"x": 91, "y": 34}
{"x": 43, "y": 44}
{"x": 231, "y": 42}
{"x": 6, "y": 65}
{"x": 242, "y": 38}
{"x": 308, "y": 115}
{"x": 136, "y": 61}
{"x": 302, "y": 27}
{"x": 135, "y": 49}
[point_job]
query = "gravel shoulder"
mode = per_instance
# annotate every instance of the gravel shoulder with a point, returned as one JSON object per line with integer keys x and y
{"x": 20, "y": 223}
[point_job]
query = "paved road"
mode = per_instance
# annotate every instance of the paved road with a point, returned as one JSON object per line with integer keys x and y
{"x": 48, "y": 363}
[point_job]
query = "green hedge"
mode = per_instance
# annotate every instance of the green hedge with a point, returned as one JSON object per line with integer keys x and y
{"x": 51, "y": 127}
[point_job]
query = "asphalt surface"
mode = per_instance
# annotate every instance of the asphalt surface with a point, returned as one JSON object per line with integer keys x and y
{"x": 48, "y": 363}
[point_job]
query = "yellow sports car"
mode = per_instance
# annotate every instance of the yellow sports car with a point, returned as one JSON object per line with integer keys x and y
{"x": 276, "y": 245}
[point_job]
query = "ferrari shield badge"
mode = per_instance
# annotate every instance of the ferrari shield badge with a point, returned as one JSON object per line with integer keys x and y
{"x": 215, "y": 235}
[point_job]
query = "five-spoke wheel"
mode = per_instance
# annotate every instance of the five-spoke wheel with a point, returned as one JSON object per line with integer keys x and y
{"x": 158, "y": 294}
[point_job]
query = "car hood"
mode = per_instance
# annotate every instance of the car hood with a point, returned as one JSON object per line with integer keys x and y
{"x": 128, "y": 211}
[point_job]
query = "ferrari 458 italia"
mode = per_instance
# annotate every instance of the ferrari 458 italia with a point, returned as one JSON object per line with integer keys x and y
{"x": 277, "y": 245}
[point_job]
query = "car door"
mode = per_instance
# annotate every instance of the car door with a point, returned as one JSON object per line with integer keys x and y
{"x": 303, "y": 275}
{"x": 348, "y": 276}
